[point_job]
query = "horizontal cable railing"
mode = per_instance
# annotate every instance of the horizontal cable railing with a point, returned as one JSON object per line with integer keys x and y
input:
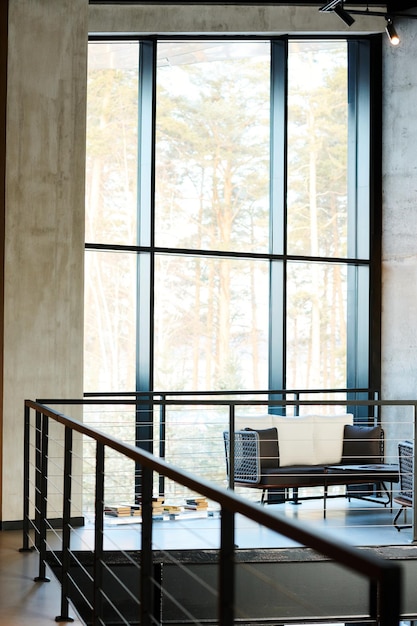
{"x": 183, "y": 427}
{"x": 90, "y": 529}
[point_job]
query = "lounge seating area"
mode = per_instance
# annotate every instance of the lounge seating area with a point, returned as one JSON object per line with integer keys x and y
{"x": 283, "y": 454}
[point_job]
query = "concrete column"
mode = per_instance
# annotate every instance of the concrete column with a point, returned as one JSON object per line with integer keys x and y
{"x": 399, "y": 210}
{"x": 44, "y": 221}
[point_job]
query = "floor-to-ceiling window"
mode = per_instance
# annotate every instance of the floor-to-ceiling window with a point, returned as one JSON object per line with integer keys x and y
{"x": 225, "y": 228}
{"x": 230, "y": 198}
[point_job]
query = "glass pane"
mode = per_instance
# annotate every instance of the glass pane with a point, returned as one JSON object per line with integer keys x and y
{"x": 212, "y": 145}
{"x": 112, "y": 120}
{"x": 211, "y": 324}
{"x": 317, "y": 148}
{"x": 316, "y": 326}
{"x": 196, "y": 432}
{"x": 110, "y": 321}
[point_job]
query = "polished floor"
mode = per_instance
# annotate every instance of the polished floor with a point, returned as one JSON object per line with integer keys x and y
{"x": 23, "y": 601}
{"x": 356, "y": 523}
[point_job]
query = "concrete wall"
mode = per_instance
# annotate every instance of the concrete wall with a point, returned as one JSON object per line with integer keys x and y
{"x": 399, "y": 241}
{"x": 217, "y": 19}
{"x": 43, "y": 317}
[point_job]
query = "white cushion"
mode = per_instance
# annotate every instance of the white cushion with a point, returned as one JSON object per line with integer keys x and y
{"x": 258, "y": 422}
{"x": 310, "y": 439}
{"x": 328, "y": 437}
{"x": 295, "y": 440}
{"x": 305, "y": 440}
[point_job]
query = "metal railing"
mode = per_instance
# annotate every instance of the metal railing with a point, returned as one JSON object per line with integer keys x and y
{"x": 152, "y": 417}
{"x": 41, "y": 424}
{"x": 155, "y": 426}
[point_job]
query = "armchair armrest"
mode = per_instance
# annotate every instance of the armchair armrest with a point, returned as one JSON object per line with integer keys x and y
{"x": 255, "y": 452}
{"x": 247, "y": 467}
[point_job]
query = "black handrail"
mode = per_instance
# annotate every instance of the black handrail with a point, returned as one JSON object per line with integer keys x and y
{"x": 243, "y": 392}
{"x": 384, "y": 576}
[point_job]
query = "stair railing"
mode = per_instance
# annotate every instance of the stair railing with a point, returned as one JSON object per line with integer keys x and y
{"x": 384, "y": 577}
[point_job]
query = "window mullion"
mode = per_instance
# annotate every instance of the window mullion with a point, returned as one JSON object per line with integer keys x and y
{"x": 359, "y": 303}
{"x": 145, "y": 264}
{"x": 278, "y": 193}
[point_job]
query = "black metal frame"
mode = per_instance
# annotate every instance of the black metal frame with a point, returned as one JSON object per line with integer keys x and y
{"x": 364, "y": 168}
{"x": 384, "y": 577}
{"x": 405, "y": 495}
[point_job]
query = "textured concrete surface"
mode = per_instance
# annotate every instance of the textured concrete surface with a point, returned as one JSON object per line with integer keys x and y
{"x": 217, "y": 19}
{"x": 43, "y": 328}
{"x": 399, "y": 240}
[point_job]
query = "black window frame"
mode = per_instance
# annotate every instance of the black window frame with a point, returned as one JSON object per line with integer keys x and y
{"x": 364, "y": 190}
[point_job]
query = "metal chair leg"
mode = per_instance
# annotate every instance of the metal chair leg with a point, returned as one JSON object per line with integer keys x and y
{"x": 403, "y": 509}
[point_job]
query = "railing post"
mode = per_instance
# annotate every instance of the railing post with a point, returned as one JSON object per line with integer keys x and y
{"x": 227, "y": 568}
{"x": 232, "y": 427}
{"x": 38, "y": 476}
{"x": 98, "y": 537}
{"x": 296, "y": 406}
{"x": 162, "y": 436}
{"x": 66, "y": 528}
{"x": 43, "y": 499}
{"x": 146, "y": 578}
{"x": 373, "y": 599}
{"x": 26, "y": 481}
{"x": 144, "y": 436}
{"x": 389, "y": 597}
{"x": 414, "y": 530}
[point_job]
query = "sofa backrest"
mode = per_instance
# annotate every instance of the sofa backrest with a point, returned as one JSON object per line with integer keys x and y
{"x": 363, "y": 444}
{"x": 311, "y": 439}
{"x": 318, "y": 440}
{"x": 299, "y": 440}
{"x": 268, "y": 446}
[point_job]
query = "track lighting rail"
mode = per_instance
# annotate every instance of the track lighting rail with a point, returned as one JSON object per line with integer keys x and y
{"x": 338, "y": 7}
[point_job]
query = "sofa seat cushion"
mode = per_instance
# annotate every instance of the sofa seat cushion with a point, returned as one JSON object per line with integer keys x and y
{"x": 293, "y": 476}
{"x": 318, "y": 476}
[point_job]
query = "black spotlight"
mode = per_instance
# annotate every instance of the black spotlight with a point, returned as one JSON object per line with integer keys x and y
{"x": 391, "y": 32}
{"x": 347, "y": 19}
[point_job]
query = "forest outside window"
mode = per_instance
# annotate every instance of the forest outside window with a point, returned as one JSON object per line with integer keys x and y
{"x": 226, "y": 245}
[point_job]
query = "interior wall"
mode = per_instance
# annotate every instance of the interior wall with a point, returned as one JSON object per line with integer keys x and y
{"x": 4, "y": 9}
{"x": 399, "y": 240}
{"x": 44, "y": 222}
{"x": 220, "y": 19}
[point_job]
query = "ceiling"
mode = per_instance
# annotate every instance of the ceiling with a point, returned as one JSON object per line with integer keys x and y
{"x": 394, "y": 7}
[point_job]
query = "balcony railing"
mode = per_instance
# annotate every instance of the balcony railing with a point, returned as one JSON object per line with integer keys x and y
{"x": 75, "y": 473}
{"x": 186, "y": 429}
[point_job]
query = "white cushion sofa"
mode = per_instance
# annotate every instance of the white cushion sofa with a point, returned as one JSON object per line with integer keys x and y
{"x": 278, "y": 454}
